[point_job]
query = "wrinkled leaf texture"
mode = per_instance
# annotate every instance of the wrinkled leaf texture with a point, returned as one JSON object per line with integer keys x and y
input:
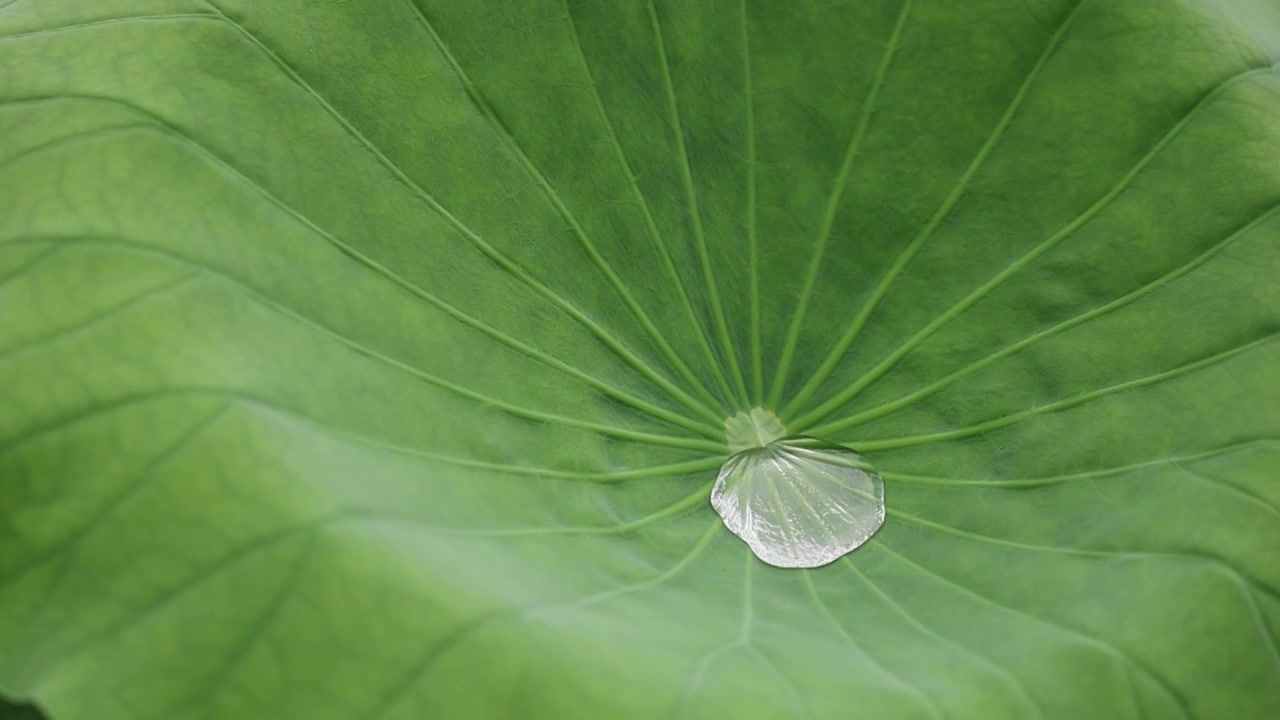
{"x": 370, "y": 359}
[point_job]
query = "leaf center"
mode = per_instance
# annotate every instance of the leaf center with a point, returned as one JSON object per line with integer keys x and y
{"x": 755, "y": 429}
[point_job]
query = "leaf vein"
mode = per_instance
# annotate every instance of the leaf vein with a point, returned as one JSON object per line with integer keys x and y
{"x": 944, "y": 210}
{"x": 695, "y": 215}
{"x": 587, "y": 244}
{"x": 659, "y": 244}
{"x": 833, "y": 203}
{"x": 287, "y": 312}
{"x": 479, "y": 243}
{"x": 1066, "y": 403}
{"x": 1061, "y": 327}
{"x": 884, "y": 366}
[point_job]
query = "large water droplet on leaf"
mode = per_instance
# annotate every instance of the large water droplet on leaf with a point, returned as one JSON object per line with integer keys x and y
{"x": 796, "y": 501}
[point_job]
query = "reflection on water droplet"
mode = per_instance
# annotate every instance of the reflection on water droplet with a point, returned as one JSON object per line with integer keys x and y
{"x": 796, "y": 501}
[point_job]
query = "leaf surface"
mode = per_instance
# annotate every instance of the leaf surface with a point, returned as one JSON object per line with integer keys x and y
{"x": 371, "y": 360}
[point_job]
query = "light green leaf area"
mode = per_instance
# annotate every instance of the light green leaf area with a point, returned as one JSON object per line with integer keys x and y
{"x": 371, "y": 360}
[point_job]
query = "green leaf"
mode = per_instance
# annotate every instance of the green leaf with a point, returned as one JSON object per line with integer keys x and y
{"x": 371, "y": 360}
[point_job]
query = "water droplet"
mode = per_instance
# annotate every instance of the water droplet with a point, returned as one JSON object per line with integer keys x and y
{"x": 796, "y": 501}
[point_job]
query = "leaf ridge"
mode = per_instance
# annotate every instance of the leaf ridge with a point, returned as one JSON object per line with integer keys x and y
{"x": 123, "y": 20}
{"x": 689, "y": 557}
{"x": 1243, "y": 582}
{"x": 585, "y": 241}
{"x": 833, "y": 203}
{"x": 704, "y": 663}
{"x": 884, "y": 366}
{"x": 161, "y": 600}
{"x": 842, "y": 345}
{"x": 480, "y": 244}
{"x": 27, "y": 266}
{"x": 1108, "y": 648}
{"x": 669, "y": 511}
{"x": 931, "y": 707}
{"x": 108, "y": 509}
{"x": 1014, "y": 682}
{"x": 1006, "y": 420}
{"x": 911, "y": 479}
{"x": 1230, "y": 489}
{"x": 691, "y": 196}
{"x": 753, "y": 247}
{"x": 253, "y": 635}
{"x": 660, "y": 246}
{"x": 1058, "y": 328}
{"x": 275, "y": 306}
{"x": 149, "y": 295}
